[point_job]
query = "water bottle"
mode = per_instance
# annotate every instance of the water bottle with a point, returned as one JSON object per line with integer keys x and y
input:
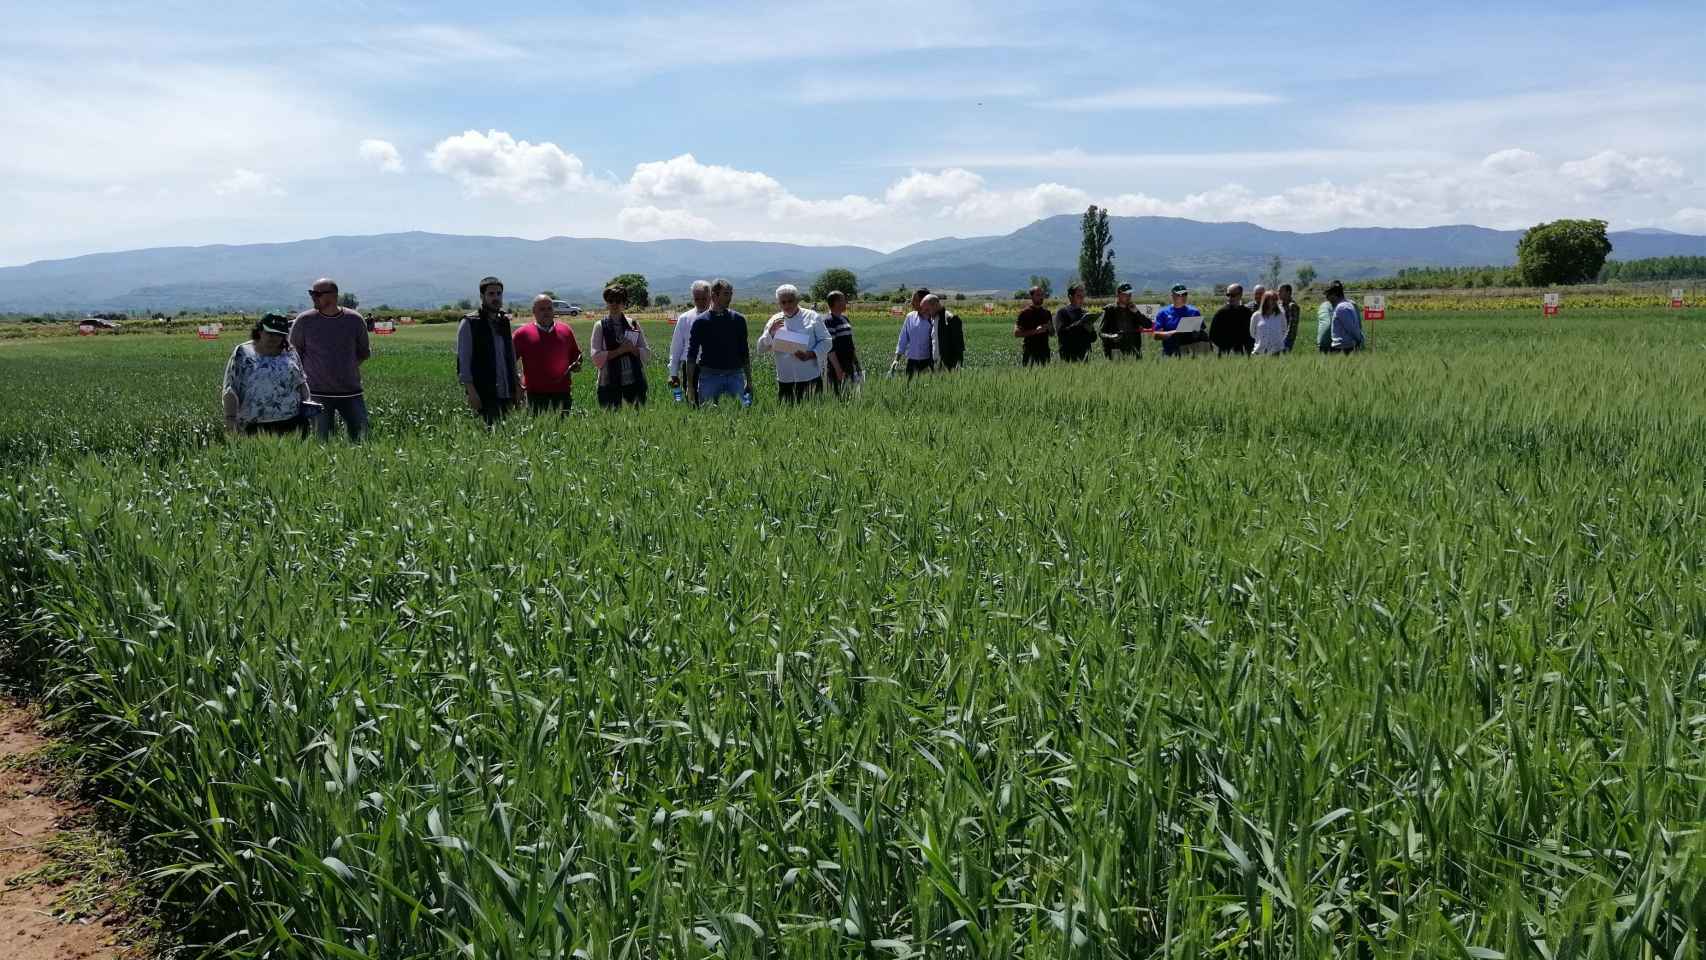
{"x": 746, "y": 398}
{"x": 675, "y": 392}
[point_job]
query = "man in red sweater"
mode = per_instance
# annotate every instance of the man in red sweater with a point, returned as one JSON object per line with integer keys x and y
{"x": 549, "y": 356}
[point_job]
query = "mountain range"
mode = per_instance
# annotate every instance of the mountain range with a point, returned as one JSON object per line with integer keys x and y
{"x": 424, "y": 269}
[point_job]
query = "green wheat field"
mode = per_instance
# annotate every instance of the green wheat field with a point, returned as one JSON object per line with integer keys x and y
{"x": 1396, "y": 655}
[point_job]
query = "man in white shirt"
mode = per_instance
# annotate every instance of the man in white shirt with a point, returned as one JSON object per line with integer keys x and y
{"x": 683, "y": 326}
{"x": 800, "y": 342}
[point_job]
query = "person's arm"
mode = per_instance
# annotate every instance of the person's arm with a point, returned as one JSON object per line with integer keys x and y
{"x": 465, "y": 363}
{"x": 228, "y": 397}
{"x": 640, "y": 346}
{"x": 363, "y": 346}
{"x": 767, "y": 339}
{"x": 297, "y": 336}
{"x": 600, "y": 352}
{"x": 678, "y": 347}
{"x": 574, "y": 349}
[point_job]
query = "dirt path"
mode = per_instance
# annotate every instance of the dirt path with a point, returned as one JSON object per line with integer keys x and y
{"x": 34, "y": 823}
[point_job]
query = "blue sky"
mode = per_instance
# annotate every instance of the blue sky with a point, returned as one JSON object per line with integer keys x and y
{"x": 179, "y": 122}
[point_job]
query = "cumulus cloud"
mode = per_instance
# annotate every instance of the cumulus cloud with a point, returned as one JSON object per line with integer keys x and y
{"x": 496, "y": 163}
{"x": 1690, "y": 219}
{"x": 920, "y": 188}
{"x": 1024, "y": 205}
{"x": 1611, "y": 171}
{"x": 382, "y": 154}
{"x": 685, "y": 178}
{"x": 244, "y": 182}
{"x": 652, "y": 223}
{"x": 1511, "y": 162}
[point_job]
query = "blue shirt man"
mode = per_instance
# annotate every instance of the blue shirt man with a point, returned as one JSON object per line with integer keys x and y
{"x": 1167, "y": 320}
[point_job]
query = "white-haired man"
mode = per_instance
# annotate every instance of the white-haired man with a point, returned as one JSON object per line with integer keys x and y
{"x": 701, "y": 294}
{"x": 800, "y": 342}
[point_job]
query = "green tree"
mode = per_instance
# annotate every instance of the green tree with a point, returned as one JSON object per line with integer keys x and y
{"x": 1044, "y": 282}
{"x": 635, "y": 284}
{"x": 1095, "y": 257}
{"x": 835, "y": 278}
{"x": 1273, "y": 277}
{"x": 662, "y": 300}
{"x": 464, "y": 304}
{"x": 349, "y": 300}
{"x": 1305, "y": 276}
{"x": 1563, "y": 251}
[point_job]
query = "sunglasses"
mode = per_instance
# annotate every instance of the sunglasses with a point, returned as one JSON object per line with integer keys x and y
{"x": 321, "y": 293}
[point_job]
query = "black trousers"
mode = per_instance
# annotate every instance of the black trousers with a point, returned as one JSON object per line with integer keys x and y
{"x": 914, "y": 367}
{"x": 544, "y": 402}
{"x": 952, "y": 362}
{"x": 493, "y": 408}
{"x": 613, "y": 396}
{"x": 1112, "y": 350}
{"x": 795, "y": 392}
{"x": 1038, "y": 359}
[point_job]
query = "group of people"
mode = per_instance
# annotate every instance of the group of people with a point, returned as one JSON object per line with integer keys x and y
{"x": 295, "y": 375}
{"x": 1267, "y": 326}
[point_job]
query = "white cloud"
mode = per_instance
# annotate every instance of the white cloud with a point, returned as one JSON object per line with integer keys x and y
{"x": 1022, "y": 206}
{"x": 382, "y": 154}
{"x": 247, "y": 183}
{"x": 496, "y": 163}
{"x": 1075, "y": 159}
{"x": 685, "y": 178}
{"x": 1610, "y": 171}
{"x": 651, "y": 223}
{"x": 1165, "y": 98}
{"x": 1690, "y": 219}
{"x": 948, "y": 185}
{"x": 1511, "y": 162}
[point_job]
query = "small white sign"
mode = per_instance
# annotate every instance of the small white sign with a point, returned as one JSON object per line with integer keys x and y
{"x": 1377, "y": 302}
{"x": 1551, "y": 299}
{"x": 1149, "y": 310}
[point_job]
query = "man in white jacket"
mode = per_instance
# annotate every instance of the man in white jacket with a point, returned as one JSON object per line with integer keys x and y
{"x": 801, "y": 344}
{"x": 683, "y": 326}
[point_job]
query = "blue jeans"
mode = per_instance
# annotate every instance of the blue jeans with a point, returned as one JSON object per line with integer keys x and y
{"x": 718, "y": 383}
{"x": 353, "y": 410}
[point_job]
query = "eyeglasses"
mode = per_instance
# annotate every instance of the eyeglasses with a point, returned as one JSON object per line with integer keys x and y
{"x": 321, "y": 293}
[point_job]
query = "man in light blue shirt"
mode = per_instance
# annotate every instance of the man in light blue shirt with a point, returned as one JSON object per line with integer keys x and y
{"x": 800, "y": 343}
{"x": 1346, "y": 334}
{"x": 1167, "y": 323}
{"x": 917, "y": 343}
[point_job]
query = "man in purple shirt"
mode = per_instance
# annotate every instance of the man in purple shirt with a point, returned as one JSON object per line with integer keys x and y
{"x": 332, "y": 342}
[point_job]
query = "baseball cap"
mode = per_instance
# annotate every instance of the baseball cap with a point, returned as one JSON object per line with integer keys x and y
{"x": 1337, "y": 287}
{"x": 1179, "y": 288}
{"x": 273, "y": 323}
{"x": 1123, "y": 288}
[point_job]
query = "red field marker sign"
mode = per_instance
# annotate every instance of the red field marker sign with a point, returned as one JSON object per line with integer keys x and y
{"x": 989, "y": 308}
{"x": 1375, "y": 308}
{"x": 1676, "y": 298}
{"x": 86, "y": 329}
{"x": 385, "y": 328}
{"x": 209, "y": 331}
{"x": 1549, "y": 305}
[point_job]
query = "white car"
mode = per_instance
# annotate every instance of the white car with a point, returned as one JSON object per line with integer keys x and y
{"x": 563, "y": 308}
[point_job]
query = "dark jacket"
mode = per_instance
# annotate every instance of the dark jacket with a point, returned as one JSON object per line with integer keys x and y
{"x": 1124, "y": 326}
{"x": 1229, "y": 331}
{"x": 950, "y": 338}
{"x": 487, "y": 367}
{"x": 1072, "y": 326}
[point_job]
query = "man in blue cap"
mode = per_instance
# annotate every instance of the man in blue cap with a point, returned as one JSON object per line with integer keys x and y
{"x": 1168, "y": 318}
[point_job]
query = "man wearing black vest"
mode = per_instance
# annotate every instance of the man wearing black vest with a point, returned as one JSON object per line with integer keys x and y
{"x": 485, "y": 356}
{"x": 1073, "y": 327}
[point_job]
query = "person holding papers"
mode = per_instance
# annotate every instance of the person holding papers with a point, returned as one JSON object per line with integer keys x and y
{"x": 1032, "y": 329}
{"x": 1345, "y": 328}
{"x": 798, "y": 339}
{"x": 1178, "y": 325}
{"x": 917, "y": 342}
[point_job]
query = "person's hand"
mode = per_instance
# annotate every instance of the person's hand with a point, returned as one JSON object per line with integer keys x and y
{"x": 473, "y": 398}
{"x": 674, "y": 382}
{"x": 775, "y": 325}
{"x": 575, "y": 367}
{"x": 804, "y": 355}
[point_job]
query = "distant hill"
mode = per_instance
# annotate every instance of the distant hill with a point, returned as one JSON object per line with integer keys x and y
{"x": 425, "y": 269}
{"x": 1157, "y": 252}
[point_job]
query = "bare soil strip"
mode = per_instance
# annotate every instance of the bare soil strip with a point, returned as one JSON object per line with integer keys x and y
{"x": 54, "y": 903}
